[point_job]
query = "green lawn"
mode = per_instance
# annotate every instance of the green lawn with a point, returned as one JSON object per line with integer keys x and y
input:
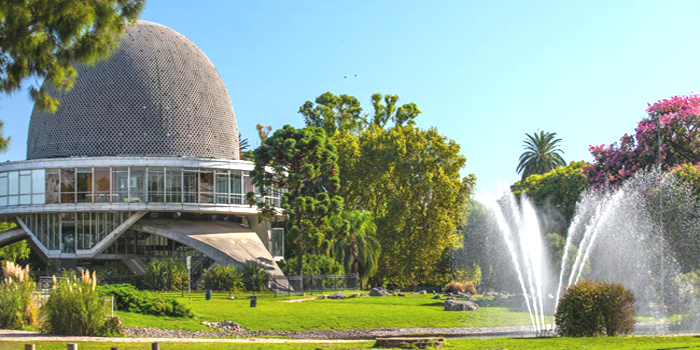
{"x": 414, "y": 310}
{"x": 685, "y": 342}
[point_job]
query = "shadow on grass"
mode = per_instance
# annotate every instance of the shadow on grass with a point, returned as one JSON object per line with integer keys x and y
{"x": 436, "y": 303}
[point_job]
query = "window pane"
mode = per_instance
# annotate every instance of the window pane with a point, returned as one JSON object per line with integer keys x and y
{"x": 174, "y": 185}
{"x": 68, "y": 240}
{"x": 3, "y": 184}
{"x": 222, "y": 194}
{"x": 14, "y": 182}
{"x": 156, "y": 185}
{"x": 25, "y": 182}
{"x": 84, "y": 185}
{"x": 120, "y": 185}
{"x": 25, "y": 199}
{"x": 206, "y": 187}
{"x": 38, "y": 180}
{"x": 101, "y": 178}
{"x": 67, "y": 185}
{"x": 237, "y": 194}
{"x": 136, "y": 185}
{"x": 190, "y": 186}
{"x": 52, "y": 186}
{"x": 3, "y": 201}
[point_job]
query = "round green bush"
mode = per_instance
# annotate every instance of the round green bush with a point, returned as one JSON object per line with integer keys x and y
{"x": 590, "y": 309}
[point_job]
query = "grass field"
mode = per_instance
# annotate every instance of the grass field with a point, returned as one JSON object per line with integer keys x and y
{"x": 685, "y": 342}
{"x": 414, "y": 310}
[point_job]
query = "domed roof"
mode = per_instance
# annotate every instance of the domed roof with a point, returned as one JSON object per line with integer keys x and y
{"x": 158, "y": 94}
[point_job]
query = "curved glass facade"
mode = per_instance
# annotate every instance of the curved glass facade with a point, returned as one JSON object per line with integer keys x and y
{"x": 128, "y": 185}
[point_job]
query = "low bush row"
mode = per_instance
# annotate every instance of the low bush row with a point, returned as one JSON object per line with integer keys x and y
{"x": 128, "y": 298}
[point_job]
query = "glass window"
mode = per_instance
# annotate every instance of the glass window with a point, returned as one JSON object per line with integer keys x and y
{"x": 277, "y": 242}
{"x": 137, "y": 177}
{"x": 68, "y": 241}
{"x": 120, "y": 185}
{"x": 237, "y": 194}
{"x": 52, "y": 181}
{"x": 84, "y": 185}
{"x": 190, "y": 186}
{"x": 156, "y": 185}
{"x": 102, "y": 185}
{"x": 25, "y": 182}
{"x": 222, "y": 183}
{"x": 38, "y": 186}
{"x": 206, "y": 187}
{"x": 14, "y": 183}
{"x": 67, "y": 185}
{"x": 174, "y": 185}
{"x": 3, "y": 189}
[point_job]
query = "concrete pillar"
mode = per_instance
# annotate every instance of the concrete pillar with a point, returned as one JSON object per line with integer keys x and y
{"x": 72, "y": 346}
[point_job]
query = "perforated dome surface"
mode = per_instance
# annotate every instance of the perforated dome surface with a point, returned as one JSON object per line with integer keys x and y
{"x": 158, "y": 94}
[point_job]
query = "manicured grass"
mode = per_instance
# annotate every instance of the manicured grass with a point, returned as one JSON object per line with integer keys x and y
{"x": 684, "y": 342}
{"x": 414, "y": 310}
{"x": 184, "y": 346}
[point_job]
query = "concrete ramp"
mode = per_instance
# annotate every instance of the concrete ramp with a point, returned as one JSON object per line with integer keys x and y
{"x": 224, "y": 242}
{"x": 12, "y": 235}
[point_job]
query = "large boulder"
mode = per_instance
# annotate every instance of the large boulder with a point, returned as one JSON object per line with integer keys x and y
{"x": 336, "y": 296}
{"x": 460, "y": 305}
{"x": 379, "y": 292}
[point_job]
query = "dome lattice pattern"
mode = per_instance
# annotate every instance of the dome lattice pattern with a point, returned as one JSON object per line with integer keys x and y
{"x": 158, "y": 94}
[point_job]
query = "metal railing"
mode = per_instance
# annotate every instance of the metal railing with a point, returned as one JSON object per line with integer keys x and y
{"x": 315, "y": 284}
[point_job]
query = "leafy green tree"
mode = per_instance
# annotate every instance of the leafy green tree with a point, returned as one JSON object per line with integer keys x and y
{"x": 542, "y": 154}
{"x": 165, "y": 275}
{"x": 303, "y": 162}
{"x": 254, "y": 276}
{"x": 46, "y": 38}
{"x": 424, "y": 199}
{"x": 387, "y": 111}
{"x": 559, "y": 189}
{"x": 333, "y": 113}
{"x": 314, "y": 264}
{"x": 358, "y": 250}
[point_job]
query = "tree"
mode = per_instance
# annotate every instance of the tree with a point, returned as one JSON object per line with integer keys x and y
{"x": 383, "y": 113}
{"x": 558, "y": 190}
{"x": 542, "y": 154}
{"x": 46, "y": 38}
{"x": 223, "y": 278}
{"x": 333, "y": 113}
{"x": 302, "y": 162}
{"x": 679, "y": 118}
{"x": 423, "y": 199}
{"x": 358, "y": 250}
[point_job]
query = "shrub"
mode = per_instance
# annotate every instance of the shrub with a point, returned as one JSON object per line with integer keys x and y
{"x": 164, "y": 275}
{"x": 460, "y": 287}
{"x": 128, "y": 298}
{"x": 18, "y": 306}
{"x": 74, "y": 306}
{"x": 223, "y": 278}
{"x": 590, "y": 309}
{"x": 312, "y": 265}
{"x": 255, "y": 277}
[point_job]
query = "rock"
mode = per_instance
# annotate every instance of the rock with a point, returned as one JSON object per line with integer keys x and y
{"x": 231, "y": 298}
{"x": 463, "y": 295}
{"x": 401, "y": 294}
{"x": 337, "y": 296}
{"x": 423, "y": 292}
{"x": 321, "y": 297}
{"x": 355, "y": 295}
{"x": 436, "y": 297}
{"x": 378, "y": 292}
{"x": 473, "y": 300}
{"x": 460, "y": 305}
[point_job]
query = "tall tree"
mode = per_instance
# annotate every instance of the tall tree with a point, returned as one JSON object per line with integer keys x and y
{"x": 303, "y": 162}
{"x": 358, "y": 249}
{"x": 44, "y": 39}
{"x": 387, "y": 111}
{"x": 422, "y": 200}
{"x": 675, "y": 122}
{"x": 333, "y": 113}
{"x": 542, "y": 154}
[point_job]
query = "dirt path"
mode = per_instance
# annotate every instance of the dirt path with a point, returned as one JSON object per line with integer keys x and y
{"x": 25, "y": 336}
{"x": 295, "y": 300}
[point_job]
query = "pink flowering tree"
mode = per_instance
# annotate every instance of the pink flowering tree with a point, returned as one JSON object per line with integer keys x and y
{"x": 679, "y": 120}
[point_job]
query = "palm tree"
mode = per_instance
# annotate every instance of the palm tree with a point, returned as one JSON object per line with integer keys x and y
{"x": 359, "y": 249}
{"x": 542, "y": 154}
{"x": 4, "y": 142}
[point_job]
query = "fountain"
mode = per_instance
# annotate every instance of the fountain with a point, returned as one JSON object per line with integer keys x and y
{"x": 614, "y": 236}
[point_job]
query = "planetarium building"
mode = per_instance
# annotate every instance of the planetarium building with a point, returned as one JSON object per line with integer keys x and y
{"x": 139, "y": 162}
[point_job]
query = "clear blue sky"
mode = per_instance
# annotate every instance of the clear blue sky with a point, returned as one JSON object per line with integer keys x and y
{"x": 483, "y": 73}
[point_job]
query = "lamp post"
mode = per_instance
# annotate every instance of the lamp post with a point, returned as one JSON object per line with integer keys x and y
{"x": 661, "y": 216}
